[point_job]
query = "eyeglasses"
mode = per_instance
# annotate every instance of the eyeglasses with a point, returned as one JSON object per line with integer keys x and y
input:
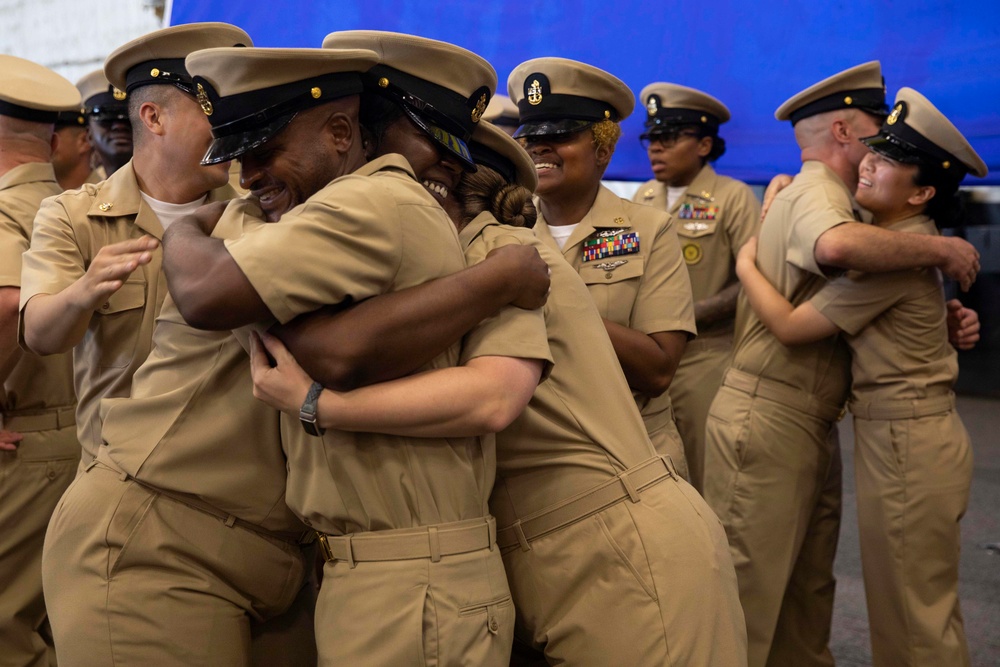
{"x": 666, "y": 139}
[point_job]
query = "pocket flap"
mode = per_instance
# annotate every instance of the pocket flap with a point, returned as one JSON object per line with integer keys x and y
{"x": 131, "y": 295}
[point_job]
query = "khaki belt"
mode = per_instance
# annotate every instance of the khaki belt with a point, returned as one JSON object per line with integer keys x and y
{"x": 626, "y": 485}
{"x": 902, "y": 409}
{"x": 433, "y": 542}
{"x": 294, "y": 537}
{"x": 39, "y": 420}
{"x": 783, "y": 394}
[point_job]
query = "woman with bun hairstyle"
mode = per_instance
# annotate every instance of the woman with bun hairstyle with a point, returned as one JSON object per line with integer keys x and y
{"x": 588, "y": 515}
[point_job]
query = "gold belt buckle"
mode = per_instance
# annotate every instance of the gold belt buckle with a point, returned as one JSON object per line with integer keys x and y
{"x": 324, "y": 547}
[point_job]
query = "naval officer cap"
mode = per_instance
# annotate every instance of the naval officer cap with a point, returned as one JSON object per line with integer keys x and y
{"x": 860, "y": 87}
{"x": 669, "y": 105}
{"x": 494, "y": 148}
{"x": 561, "y": 96}
{"x": 443, "y": 88}
{"x": 502, "y": 111}
{"x": 251, "y": 94}
{"x": 32, "y": 92}
{"x": 100, "y": 98}
{"x": 915, "y": 132}
{"x": 158, "y": 58}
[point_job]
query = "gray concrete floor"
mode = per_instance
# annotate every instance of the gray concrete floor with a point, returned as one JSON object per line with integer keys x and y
{"x": 979, "y": 585}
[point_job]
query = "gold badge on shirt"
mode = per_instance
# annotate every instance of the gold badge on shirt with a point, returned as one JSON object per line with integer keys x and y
{"x": 692, "y": 253}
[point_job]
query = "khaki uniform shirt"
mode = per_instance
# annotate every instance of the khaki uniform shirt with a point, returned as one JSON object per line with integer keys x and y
{"x": 37, "y": 384}
{"x": 714, "y": 217}
{"x": 192, "y": 425}
{"x": 371, "y": 232}
{"x": 580, "y": 427}
{"x": 815, "y": 202}
{"x": 69, "y": 232}
{"x": 643, "y": 286}
{"x": 896, "y": 328}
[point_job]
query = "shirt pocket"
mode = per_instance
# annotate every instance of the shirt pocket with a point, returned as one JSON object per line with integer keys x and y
{"x": 116, "y": 326}
{"x": 614, "y": 285}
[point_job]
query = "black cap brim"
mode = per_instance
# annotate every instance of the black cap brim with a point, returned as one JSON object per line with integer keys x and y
{"x": 554, "y": 126}
{"x": 892, "y": 148}
{"x": 453, "y": 144}
{"x": 232, "y": 146}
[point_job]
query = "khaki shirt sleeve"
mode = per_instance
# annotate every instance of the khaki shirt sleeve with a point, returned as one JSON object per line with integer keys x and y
{"x": 13, "y": 243}
{"x": 54, "y": 261}
{"x": 742, "y": 218}
{"x": 345, "y": 242}
{"x": 816, "y": 210}
{"x": 511, "y": 332}
{"x": 664, "y": 301}
{"x": 854, "y": 299}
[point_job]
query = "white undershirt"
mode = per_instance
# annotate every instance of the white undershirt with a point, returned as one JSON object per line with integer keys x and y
{"x": 561, "y": 233}
{"x": 167, "y": 213}
{"x": 673, "y": 194}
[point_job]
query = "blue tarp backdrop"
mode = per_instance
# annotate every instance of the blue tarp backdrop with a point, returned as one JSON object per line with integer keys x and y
{"x": 751, "y": 55}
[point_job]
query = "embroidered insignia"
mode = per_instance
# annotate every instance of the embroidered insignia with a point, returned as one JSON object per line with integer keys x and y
{"x": 477, "y": 113}
{"x": 535, "y": 93}
{"x": 610, "y": 266}
{"x": 203, "y": 101}
{"x": 692, "y": 253}
{"x": 689, "y": 212}
{"x": 610, "y": 243}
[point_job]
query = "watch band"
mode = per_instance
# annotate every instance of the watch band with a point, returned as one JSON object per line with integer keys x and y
{"x": 307, "y": 413}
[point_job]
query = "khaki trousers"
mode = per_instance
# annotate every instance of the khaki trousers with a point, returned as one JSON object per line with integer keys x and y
{"x": 695, "y": 384}
{"x": 913, "y": 478}
{"x": 639, "y": 583}
{"x": 133, "y": 577}
{"x": 666, "y": 440}
{"x": 32, "y": 479}
{"x": 455, "y": 611}
{"x": 773, "y": 474}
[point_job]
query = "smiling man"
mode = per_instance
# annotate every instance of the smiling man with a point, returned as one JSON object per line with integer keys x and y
{"x": 403, "y": 521}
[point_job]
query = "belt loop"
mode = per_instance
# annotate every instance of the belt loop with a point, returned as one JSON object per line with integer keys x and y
{"x": 491, "y": 527}
{"x": 671, "y": 468}
{"x": 521, "y": 539}
{"x": 349, "y": 538}
{"x": 434, "y": 542}
{"x": 633, "y": 493}
{"x": 230, "y": 521}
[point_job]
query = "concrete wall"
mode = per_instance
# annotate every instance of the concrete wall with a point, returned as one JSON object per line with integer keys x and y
{"x": 73, "y": 37}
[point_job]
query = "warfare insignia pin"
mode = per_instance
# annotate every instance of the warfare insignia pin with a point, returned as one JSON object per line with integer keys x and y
{"x": 610, "y": 266}
{"x": 695, "y": 226}
{"x": 535, "y": 93}
{"x": 203, "y": 101}
{"x": 692, "y": 253}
